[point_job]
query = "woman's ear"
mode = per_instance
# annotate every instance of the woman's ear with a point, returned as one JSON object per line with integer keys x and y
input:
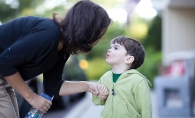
{"x": 129, "y": 59}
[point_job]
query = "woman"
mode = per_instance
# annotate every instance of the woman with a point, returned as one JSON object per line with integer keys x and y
{"x": 33, "y": 45}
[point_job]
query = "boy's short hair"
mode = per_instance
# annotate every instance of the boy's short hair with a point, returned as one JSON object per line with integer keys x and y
{"x": 133, "y": 48}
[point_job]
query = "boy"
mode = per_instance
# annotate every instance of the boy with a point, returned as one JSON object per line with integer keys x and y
{"x": 129, "y": 92}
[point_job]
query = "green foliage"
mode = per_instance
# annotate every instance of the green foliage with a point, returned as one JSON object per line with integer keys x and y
{"x": 151, "y": 63}
{"x": 154, "y": 36}
{"x": 138, "y": 28}
{"x": 97, "y": 67}
{"x": 26, "y": 7}
{"x": 152, "y": 44}
{"x": 6, "y": 12}
{"x": 72, "y": 71}
{"x": 26, "y": 4}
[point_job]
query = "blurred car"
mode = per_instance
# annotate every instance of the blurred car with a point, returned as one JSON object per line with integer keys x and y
{"x": 72, "y": 72}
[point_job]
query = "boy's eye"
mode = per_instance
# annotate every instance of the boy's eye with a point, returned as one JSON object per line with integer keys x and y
{"x": 115, "y": 48}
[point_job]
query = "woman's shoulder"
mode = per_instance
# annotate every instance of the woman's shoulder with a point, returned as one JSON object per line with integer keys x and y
{"x": 21, "y": 21}
{"x": 27, "y": 19}
{"x": 45, "y": 26}
{"x": 36, "y": 21}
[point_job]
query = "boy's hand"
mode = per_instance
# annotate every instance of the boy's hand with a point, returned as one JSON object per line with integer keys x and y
{"x": 103, "y": 91}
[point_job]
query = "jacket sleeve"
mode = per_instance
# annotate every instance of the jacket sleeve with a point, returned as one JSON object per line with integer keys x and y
{"x": 98, "y": 100}
{"x": 143, "y": 99}
{"x": 53, "y": 78}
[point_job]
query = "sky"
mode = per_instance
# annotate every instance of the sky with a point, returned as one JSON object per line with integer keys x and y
{"x": 144, "y": 9}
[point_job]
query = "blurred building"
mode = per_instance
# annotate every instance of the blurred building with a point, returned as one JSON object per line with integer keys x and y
{"x": 175, "y": 89}
{"x": 178, "y": 33}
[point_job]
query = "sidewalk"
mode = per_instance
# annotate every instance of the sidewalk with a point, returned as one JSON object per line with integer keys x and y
{"x": 86, "y": 109}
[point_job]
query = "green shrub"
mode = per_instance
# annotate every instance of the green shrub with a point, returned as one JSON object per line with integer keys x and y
{"x": 151, "y": 63}
{"x": 97, "y": 67}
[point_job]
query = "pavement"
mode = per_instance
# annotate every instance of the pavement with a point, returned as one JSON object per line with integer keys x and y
{"x": 86, "y": 109}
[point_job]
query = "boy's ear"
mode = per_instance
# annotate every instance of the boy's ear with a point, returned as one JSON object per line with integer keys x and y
{"x": 129, "y": 59}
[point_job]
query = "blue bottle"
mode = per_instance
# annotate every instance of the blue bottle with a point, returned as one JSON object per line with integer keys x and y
{"x": 35, "y": 113}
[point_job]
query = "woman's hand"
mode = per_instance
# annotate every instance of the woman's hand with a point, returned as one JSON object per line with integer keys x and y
{"x": 98, "y": 90}
{"x": 40, "y": 103}
{"x": 103, "y": 91}
{"x": 23, "y": 89}
{"x": 93, "y": 88}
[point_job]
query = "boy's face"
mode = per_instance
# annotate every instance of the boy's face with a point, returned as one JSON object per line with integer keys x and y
{"x": 116, "y": 55}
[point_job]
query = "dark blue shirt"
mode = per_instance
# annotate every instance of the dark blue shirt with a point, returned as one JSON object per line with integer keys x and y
{"x": 29, "y": 45}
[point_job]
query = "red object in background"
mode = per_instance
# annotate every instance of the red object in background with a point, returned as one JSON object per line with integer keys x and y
{"x": 176, "y": 69}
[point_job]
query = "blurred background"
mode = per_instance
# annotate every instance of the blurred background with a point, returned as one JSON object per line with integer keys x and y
{"x": 164, "y": 27}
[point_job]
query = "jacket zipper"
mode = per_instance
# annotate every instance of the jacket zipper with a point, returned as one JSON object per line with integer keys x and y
{"x": 113, "y": 94}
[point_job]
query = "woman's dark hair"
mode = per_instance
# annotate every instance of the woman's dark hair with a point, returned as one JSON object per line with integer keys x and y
{"x": 133, "y": 48}
{"x": 84, "y": 24}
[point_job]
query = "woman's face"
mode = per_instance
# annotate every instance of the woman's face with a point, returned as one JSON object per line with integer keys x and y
{"x": 96, "y": 42}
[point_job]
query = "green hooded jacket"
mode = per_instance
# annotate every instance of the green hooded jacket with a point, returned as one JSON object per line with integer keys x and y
{"x": 131, "y": 98}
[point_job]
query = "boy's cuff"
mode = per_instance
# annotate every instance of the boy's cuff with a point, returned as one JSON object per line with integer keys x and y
{"x": 97, "y": 100}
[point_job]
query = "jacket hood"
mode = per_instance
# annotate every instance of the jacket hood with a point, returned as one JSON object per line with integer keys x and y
{"x": 133, "y": 71}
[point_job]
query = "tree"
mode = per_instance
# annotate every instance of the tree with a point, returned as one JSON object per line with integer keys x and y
{"x": 7, "y": 12}
{"x": 154, "y": 37}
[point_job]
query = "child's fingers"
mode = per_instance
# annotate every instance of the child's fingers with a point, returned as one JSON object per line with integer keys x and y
{"x": 103, "y": 90}
{"x": 100, "y": 86}
{"x": 104, "y": 97}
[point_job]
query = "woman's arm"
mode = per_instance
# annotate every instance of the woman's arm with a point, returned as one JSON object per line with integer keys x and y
{"x": 20, "y": 86}
{"x": 73, "y": 87}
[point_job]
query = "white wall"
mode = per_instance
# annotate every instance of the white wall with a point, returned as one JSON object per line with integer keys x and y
{"x": 178, "y": 33}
